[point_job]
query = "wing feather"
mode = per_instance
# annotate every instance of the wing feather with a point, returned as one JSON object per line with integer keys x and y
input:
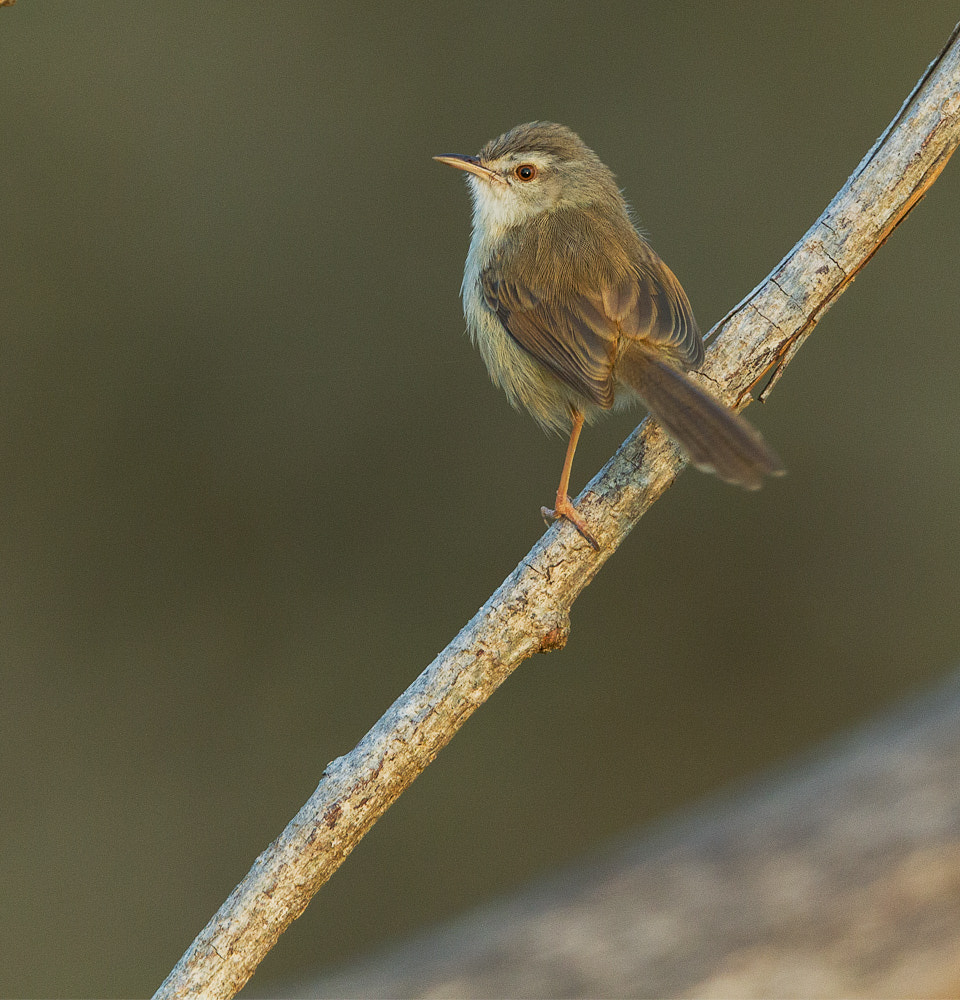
{"x": 574, "y": 340}
{"x": 571, "y": 313}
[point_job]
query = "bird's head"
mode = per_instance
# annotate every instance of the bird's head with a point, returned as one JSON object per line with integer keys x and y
{"x": 534, "y": 168}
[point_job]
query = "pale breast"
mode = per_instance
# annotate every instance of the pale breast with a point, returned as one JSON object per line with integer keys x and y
{"x": 525, "y": 381}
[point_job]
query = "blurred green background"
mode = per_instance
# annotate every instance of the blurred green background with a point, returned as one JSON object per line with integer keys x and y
{"x": 254, "y": 476}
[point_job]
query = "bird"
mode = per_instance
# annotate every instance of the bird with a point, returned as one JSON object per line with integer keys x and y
{"x": 575, "y": 314}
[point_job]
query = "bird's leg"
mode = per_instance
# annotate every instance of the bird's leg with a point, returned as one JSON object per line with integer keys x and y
{"x": 564, "y": 507}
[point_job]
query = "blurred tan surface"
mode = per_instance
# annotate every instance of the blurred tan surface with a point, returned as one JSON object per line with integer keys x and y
{"x": 838, "y": 877}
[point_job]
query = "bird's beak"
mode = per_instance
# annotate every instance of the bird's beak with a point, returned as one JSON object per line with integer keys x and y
{"x": 471, "y": 164}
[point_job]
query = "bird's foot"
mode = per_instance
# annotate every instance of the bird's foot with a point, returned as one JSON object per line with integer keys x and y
{"x": 566, "y": 509}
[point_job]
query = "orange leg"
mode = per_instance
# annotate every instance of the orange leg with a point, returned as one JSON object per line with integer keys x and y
{"x": 564, "y": 506}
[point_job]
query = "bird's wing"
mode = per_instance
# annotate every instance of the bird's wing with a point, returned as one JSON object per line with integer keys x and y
{"x": 577, "y": 336}
{"x": 656, "y": 309}
{"x": 574, "y": 339}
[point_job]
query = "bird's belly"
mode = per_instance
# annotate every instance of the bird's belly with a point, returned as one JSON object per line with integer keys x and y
{"x": 525, "y": 381}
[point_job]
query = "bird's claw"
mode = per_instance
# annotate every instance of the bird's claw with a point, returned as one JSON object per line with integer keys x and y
{"x": 565, "y": 509}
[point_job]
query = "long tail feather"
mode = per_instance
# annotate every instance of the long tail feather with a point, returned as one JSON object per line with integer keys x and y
{"x": 714, "y": 438}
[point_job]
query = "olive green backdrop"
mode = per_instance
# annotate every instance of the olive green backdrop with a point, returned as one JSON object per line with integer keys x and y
{"x": 253, "y": 476}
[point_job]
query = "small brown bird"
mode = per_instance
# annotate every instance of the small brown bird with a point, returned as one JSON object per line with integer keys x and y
{"x": 574, "y": 313}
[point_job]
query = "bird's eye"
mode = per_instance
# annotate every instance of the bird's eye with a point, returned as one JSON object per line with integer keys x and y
{"x": 525, "y": 172}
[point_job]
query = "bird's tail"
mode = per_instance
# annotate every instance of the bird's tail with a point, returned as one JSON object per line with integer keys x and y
{"x": 714, "y": 438}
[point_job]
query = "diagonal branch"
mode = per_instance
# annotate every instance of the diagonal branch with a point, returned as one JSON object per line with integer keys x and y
{"x": 529, "y": 613}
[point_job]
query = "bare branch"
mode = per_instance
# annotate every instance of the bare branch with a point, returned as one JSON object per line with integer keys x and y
{"x": 529, "y": 613}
